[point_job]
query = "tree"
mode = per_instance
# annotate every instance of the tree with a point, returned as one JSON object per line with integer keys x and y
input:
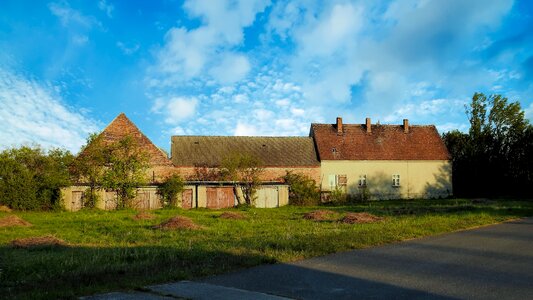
{"x": 302, "y": 189}
{"x": 31, "y": 179}
{"x": 89, "y": 168}
{"x": 245, "y": 171}
{"x": 125, "y": 169}
{"x": 494, "y": 158}
{"x": 170, "y": 189}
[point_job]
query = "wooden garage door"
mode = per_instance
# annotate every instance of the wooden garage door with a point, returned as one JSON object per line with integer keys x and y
{"x": 110, "y": 200}
{"x": 77, "y": 201}
{"x": 267, "y": 197}
{"x": 186, "y": 199}
{"x": 220, "y": 197}
{"x": 142, "y": 200}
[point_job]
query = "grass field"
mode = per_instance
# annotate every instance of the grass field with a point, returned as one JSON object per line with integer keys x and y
{"x": 110, "y": 251}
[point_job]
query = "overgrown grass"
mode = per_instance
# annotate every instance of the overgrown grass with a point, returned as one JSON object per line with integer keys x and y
{"x": 111, "y": 251}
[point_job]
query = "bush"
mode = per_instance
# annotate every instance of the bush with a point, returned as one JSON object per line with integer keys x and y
{"x": 30, "y": 179}
{"x": 302, "y": 189}
{"x": 169, "y": 190}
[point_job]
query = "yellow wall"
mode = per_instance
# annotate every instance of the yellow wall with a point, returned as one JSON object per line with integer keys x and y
{"x": 418, "y": 179}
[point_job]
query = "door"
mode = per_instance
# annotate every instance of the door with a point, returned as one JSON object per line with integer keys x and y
{"x": 220, "y": 197}
{"x": 77, "y": 201}
{"x": 142, "y": 200}
{"x": 267, "y": 197}
{"x": 186, "y": 199}
{"x": 110, "y": 200}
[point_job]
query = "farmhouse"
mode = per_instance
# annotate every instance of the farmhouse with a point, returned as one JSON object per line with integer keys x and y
{"x": 374, "y": 161}
{"x": 369, "y": 161}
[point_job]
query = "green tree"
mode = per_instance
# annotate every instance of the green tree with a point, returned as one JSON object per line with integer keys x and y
{"x": 245, "y": 171}
{"x": 169, "y": 190}
{"x": 125, "y": 169}
{"x": 494, "y": 158}
{"x": 31, "y": 179}
{"x": 302, "y": 189}
{"x": 89, "y": 168}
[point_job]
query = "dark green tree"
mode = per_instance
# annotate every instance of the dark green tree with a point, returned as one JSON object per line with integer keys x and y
{"x": 169, "y": 190}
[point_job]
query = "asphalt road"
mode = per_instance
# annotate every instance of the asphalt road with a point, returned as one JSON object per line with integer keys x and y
{"x": 494, "y": 262}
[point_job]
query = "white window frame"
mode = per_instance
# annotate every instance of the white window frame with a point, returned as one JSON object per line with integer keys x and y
{"x": 362, "y": 180}
{"x": 334, "y": 182}
{"x": 395, "y": 180}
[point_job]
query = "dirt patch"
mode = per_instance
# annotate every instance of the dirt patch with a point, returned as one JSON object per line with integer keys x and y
{"x": 4, "y": 208}
{"x": 34, "y": 242}
{"x": 321, "y": 215}
{"x": 359, "y": 218}
{"x": 143, "y": 215}
{"x": 178, "y": 222}
{"x": 231, "y": 215}
{"x": 11, "y": 221}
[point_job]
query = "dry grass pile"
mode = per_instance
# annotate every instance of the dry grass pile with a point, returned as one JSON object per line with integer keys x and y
{"x": 359, "y": 218}
{"x": 321, "y": 215}
{"x": 143, "y": 215}
{"x": 11, "y": 221}
{"x": 232, "y": 215}
{"x": 4, "y": 208}
{"x": 34, "y": 242}
{"x": 178, "y": 222}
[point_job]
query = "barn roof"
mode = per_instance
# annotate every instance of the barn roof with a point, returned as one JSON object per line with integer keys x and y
{"x": 121, "y": 127}
{"x": 271, "y": 151}
{"x": 383, "y": 142}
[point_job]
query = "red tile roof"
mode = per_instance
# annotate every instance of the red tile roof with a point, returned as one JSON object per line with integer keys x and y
{"x": 385, "y": 142}
{"x": 121, "y": 127}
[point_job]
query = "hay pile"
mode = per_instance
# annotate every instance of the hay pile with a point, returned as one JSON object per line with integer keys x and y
{"x": 34, "y": 242}
{"x": 4, "y": 208}
{"x": 143, "y": 215}
{"x": 232, "y": 215}
{"x": 321, "y": 215}
{"x": 11, "y": 221}
{"x": 359, "y": 218}
{"x": 178, "y": 222}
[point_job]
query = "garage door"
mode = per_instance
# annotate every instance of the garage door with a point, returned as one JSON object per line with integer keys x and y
{"x": 220, "y": 197}
{"x": 267, "y": 197}
{"x": 186, "y": 199}
{"x": 142, "y": 200}
{"x": 77, "y": 201}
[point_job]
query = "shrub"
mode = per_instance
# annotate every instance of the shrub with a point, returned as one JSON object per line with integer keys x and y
{"x": 169, "y": 190}
{"x": 302, "y": 189}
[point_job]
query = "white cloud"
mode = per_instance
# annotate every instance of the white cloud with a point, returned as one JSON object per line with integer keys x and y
{"x": 107, "y": 8}
{"x": 529, "y": 112}
{"x": 31, "y": 112}
{"x": 69, "y": 16}
{"x": 80, "y": 39}
{"x": 190, "y": 53}
{"x": 128, "y": 49}
{"x": 177, "y": 109}
{"x": 243, "y": 129}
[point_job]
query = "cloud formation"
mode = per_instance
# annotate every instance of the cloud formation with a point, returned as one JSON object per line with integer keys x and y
{"x": 32, "y": 112}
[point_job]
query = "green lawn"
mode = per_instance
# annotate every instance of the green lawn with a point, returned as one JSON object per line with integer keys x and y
{"x": 110, "y": 251}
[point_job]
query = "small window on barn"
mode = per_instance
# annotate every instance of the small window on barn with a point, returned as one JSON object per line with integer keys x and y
{"x": 332, "y": 181}
{"x": 396, "y": 180}
{"x": 362, "y": 180}
{"x": 334, "y": 150}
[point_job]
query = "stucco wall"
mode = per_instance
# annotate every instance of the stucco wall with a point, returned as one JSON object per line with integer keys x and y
{"x": 418, "y": 179}
{"x": 269, "y": 173}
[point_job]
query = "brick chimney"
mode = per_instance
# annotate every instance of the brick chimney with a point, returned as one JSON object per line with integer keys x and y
{"x": 405, "y": 126}
{"x": 368, "y": 126}
{"x": 339, "y": 125}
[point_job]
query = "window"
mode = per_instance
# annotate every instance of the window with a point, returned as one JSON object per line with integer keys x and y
{"x": 362, "y": 180}
{"x": 396, "y": 180}
{"x": 337, "y": 181}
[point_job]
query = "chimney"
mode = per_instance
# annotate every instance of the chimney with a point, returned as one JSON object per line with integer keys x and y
{"x": 339, "y": 125}
{"x": 405, "y": 126}
{"x": 368, "y": 126}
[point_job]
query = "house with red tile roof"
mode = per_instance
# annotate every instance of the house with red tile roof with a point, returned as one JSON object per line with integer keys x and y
{"x": 374, "y": 161}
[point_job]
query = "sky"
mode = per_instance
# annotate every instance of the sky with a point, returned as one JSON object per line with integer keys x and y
{"x": 253, "y": 67}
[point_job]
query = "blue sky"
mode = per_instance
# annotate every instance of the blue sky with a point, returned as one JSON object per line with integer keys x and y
{"x": 67, "y": 68}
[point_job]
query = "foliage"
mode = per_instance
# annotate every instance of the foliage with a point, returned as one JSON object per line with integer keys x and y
{"x": 302, "y": 189}
{"x": 338, "y": 196}
{"x": 245, "y": 171}
{"x": 89, "y": 168}
{"x": 30, "y": 178}
{"x": 125, "y": 169}
{"x": 494, "y": 157}
{"x": 205, "y": 173}
{"x": 113, "y": 252}
{"x": 169, "y": 190}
